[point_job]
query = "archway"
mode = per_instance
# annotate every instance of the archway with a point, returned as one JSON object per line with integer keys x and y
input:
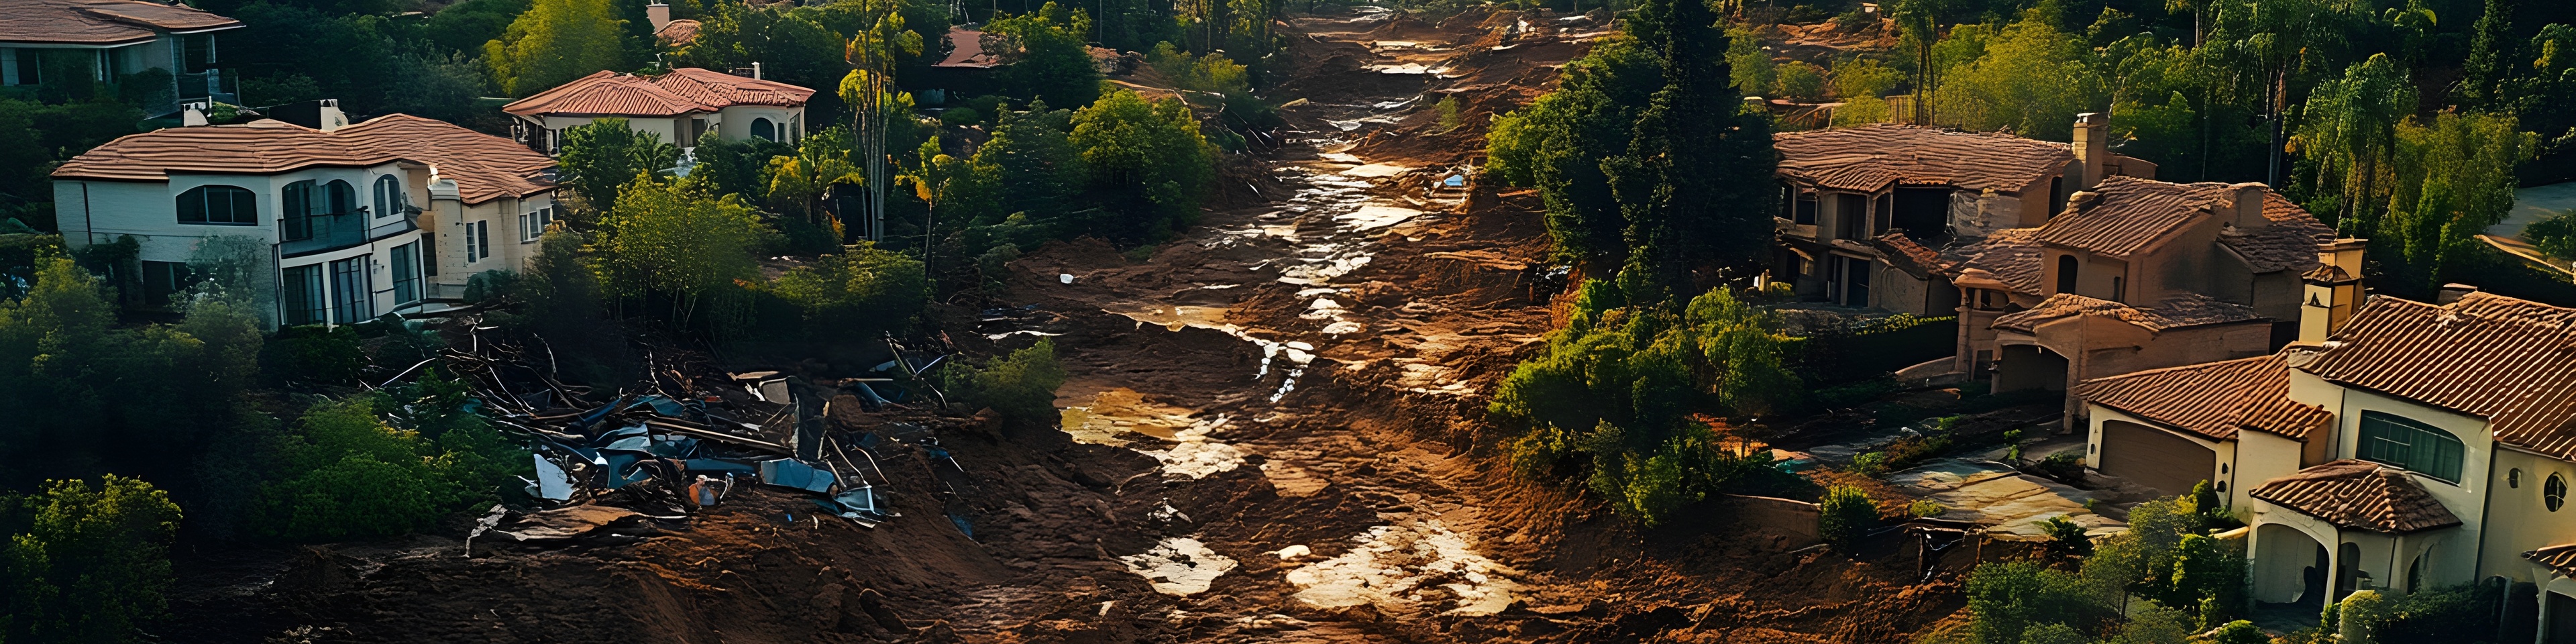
{"x": 2289, "y": 568}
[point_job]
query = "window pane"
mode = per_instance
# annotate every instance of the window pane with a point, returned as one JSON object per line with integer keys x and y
{"x": 245, "y": 206}
{"x": 192, "y": 206}
{"x": 2405, "y": 443}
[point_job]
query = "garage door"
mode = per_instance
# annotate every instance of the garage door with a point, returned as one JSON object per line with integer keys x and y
{"x": 2153, "y": 457}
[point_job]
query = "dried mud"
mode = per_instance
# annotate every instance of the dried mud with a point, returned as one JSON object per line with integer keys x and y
{"x": 1363, "y": 504}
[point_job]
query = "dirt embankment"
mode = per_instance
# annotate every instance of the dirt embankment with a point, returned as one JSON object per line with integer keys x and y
{"x": 1274, "y": 437}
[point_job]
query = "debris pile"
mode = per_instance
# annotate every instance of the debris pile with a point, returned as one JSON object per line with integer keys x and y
{"x": 692, "y": 438}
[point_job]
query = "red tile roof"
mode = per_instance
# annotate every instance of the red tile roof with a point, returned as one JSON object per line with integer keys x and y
{"x": 2131, "y": 214}
{"x": 2210, "y": 399}
{"x": 1871, "y": 157}
{"x": 1901, "y": 252}
{"x": 678, "y": 32}
{"x": 967, "y": 50}
{"x": 2188, "y": 310}
{"x": 682, "y": 91}
{"x": 2503, "y": 359}
{"x": 485, "y": 167}
{"x": 2287, "y": 418}
{"x": 2011, "y": 255}
{"x": 2360, "y": 495}
{"x": 2290, "y": 243}
{"x": 101, "y": 22}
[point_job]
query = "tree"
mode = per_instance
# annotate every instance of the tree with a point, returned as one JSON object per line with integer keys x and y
{"x": 555, "y": 42}
{"x": 2350, "y": 130}
{"x": 2007, "y": 600}
{"x": 350, "y": 475}
{"x": 1696, "y": 182}
{"x": 1846, "y": 515}
{"x": 2032, "y": 78}
{"x": 1048, "y": 59}
{"x": 798, "y": 183}
{"x": 2454, "y": 178}
{"x": 1862, "y": 83}
{"x": 1040, "y": 171}
{"x": 678, "y": 242}
{"x": 1149, "y": 164}
{"x": 2484, "y": 76}
{"x": 86, "y": 564}
{"x": 602, "y": 156}
{"x": 791, "y": 44}
{"x": 1556, "y": 144}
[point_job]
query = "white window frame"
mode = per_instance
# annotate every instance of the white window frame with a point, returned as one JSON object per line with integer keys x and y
{"x": 533, "y": 223}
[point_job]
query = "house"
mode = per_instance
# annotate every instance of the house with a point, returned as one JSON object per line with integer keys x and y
{"x": 2412, "y": 446}
{"x": 1861, "y": 207}
{"x": 107, "y": 41}
{"x": 680, "y": 106}
{"x": 676, "y": 33}
{"x": 354, "y": 221}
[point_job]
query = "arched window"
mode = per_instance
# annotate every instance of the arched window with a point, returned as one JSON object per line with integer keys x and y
{"x": 389, "y": 196}
{"x": 2065, "y": 273}
{"x": 764, "y": 129}
{"x": 218, "y": 205}
{"x": 343, "y": 198}
{"x": 2553, "y": 492}
{"x": 2414, "y": 445}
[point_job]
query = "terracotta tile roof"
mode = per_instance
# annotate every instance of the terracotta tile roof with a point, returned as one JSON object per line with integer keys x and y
{"x": 2188, "y": 310}
{"x": 2211, "y": 399}
{"x": 678, "y": 32}
{"x": 2130, "y": 214}
{"x": 1871, "y": 157}
{"x": 100, "y": 22}
{"x": 484, "y": 166}
{"x": 2361, "y": 495}
{"x": 2289, "y": 244}
{"x": 967, "y": 50}
{"x": 2011, "y": 255}
{"x": 2561, "y": 557}
{"x": 1901, "y": 252}
{"x": 2494, "y": 357}
{"x": 2288, "y": 418}
{"x": 682, "y": 91}
{"x": 2326, "y": 273}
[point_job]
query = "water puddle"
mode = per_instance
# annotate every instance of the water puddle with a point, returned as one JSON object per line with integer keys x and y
{"x": 1179, "y": 566}
{"x": 1375, "y": 216}
{"x": 1419, "y": 566}
{"x": 1114, "y": 413}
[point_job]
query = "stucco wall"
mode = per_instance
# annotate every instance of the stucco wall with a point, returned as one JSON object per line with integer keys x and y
{"x": 2522, "y": 520}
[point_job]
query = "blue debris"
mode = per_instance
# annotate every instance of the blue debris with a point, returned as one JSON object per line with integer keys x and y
{"x": 962, "y": 525}
{"x": 788, "y": 472}
{"x": 718, "y": 466}
{"x": 552, "y": 484}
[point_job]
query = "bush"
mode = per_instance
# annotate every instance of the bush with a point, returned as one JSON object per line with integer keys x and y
{"x": 2240, "y": 632}
{"x": 1021, "y": 385}
{"x": 2066, "y": 538}
{"x": 960, "y": 116}
{"x": 860, "y": 290}
{"x": 2008, "y": 600}
{"x": 2063, "y": 466}
{"x": 1846, "y": 514}
{"x": 1536, "y": 455}
{"x": 86, "y": 564}
{"x": 325, "y": 354}
{"x": 2555, "y": 235}
{"x": 1924, "y": 508}
{"x": 1451, "y": 115}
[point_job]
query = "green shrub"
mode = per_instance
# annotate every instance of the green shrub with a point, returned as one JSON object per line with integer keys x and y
{"x": 1846, "y": 514}
{"x": 86, "y": 564}
{"x": 1021, "y": 385}
{"x": 2008, "y": 600}
{"x": 2066, "y": 538}
{"x": 1451, "y": 114}
{"x": 862, "y": 289}
{"x": 2240, "y": 632}
{"x": 316, "y": 353}
{"x": 2054, "y": 634}
{"x": 2065, "y": 466}
{"x": 1924, "y": 508}
{"x": 960, "y": 116}
{"x": 2361, "y": 613}
{"x": 1873, "y": 464}
{"x": 1536, "y": 455}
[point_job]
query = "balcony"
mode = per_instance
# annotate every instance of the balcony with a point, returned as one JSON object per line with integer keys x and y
{"x": 213, "y": 85}
{"x": 306, "y": 235}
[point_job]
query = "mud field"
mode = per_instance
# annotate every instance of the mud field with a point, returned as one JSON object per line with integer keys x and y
{"x": 1271, "y": 435}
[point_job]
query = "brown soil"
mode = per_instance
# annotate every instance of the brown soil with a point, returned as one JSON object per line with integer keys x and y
{"x": 1380, "y": 431}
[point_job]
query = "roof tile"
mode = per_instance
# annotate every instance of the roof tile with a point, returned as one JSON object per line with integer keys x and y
{"x": 2489, "y": 356}
{"x": 2187, "y": 310}
{"x": 100, "y": 21}
{"x": 2211, "y": 399}
{"x": 485, "y": 167}
{"x": 1871, "y": 157}
{"x": 682, "y": 91}
{"x": 2360, "y": 495}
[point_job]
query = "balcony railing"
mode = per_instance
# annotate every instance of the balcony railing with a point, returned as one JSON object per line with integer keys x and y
{"x": 216, "y": 85}
{"x": 306, "y": 235}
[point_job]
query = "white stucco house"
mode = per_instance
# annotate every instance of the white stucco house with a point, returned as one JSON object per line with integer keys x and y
{"x": 2398, "y": 446}
{"x": 356, "y": 221}
{"x": 681, "y": 107}
{"x": 105, "y": 40}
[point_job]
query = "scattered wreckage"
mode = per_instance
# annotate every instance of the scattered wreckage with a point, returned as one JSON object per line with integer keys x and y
{"x": 647, "y": 458}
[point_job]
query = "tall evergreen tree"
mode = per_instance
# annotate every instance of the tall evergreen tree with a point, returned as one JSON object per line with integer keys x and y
{"x": 1696, "y": 177}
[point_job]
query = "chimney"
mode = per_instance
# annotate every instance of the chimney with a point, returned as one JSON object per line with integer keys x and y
{"x": 2092, "y": 147}
{"x": 2453, "y": 292}
{"x": 331, "y": 118}
{"x": 755, "y": 70}
{"x": 2331, "y": 290}
{"x": 192, "y": 117}
{"x": 2249, "y": 206}
{"x": 660, "y": 14}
